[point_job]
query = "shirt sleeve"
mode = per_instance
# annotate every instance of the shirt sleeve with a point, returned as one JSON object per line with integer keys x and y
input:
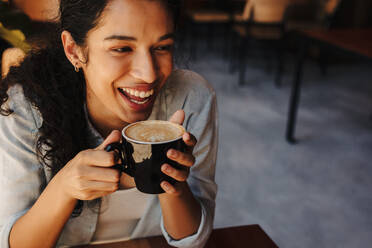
{"x": 201, "y": 120}
{"x": 21, "y": 175}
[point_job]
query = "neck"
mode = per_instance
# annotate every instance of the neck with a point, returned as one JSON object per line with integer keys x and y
{"x": 104, "y": 124}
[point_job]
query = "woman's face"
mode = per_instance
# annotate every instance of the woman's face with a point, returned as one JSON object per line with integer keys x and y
{"x": 129, "y": 58}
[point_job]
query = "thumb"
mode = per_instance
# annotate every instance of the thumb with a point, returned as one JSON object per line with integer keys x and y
{"x": 178, "y": 117}
{"x": 113, "y": 137}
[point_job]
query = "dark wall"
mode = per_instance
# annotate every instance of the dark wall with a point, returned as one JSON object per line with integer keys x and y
{"x": 354, "y": 13}
{"x": 363, "y": 13}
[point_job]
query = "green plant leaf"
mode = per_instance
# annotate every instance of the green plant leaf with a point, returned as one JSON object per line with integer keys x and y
{"x": 15, "y": 38}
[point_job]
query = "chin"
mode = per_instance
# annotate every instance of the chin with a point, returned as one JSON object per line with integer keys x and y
{"x": 137, "y": 116}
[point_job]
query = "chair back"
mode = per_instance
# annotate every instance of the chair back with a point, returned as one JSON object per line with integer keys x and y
{"x": 331, "y": 9}
{"x": 265, "y": 11}
{"x": 331, "y": 6}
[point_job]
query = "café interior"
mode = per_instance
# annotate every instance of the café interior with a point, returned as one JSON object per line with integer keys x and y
{"x": 293, "y": 80}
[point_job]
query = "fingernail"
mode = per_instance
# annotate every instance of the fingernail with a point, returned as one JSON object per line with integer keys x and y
{"x": 172, "y": 153}
{"x": 168, "y": 169}
{"x": 166, "y": 186}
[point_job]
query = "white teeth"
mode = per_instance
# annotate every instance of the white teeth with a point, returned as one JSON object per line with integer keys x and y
{"x": 138, "y": 102}
{"x": 137, "y": 93}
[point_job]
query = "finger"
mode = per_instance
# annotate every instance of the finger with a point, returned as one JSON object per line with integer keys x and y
{"x": 179, "y": 175}
{"x": 88, "y": 196}
{"x": 97, "y": 158}
{"x": 189, "y": 139}
{"x": 113, "y": 137}
{"x": 175, "y": 189}
{"x": 182, "y": 158}
{"x": 88, "y": 187}
{"x": 101, "y": 174}
{"x": 104, "y": 186}
{"x": 178, "y": 117}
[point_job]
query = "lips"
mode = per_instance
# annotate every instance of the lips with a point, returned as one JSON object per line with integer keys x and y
{"x": 137, "y": 95}
{"x": 138, "y": 99}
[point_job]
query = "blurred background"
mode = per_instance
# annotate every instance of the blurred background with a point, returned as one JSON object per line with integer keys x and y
{"x": 294, "y": 86}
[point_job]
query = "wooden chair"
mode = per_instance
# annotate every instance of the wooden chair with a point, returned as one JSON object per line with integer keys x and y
{"x": 311, "y": 15}
{"x": 263, "y": 25}
{"x": 322, "y": 17}
{"x": 205, "y": 21}
{"x": 270, "y": 21}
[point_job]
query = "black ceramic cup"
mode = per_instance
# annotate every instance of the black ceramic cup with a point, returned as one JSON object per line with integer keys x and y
{"x": 142, "y": 158}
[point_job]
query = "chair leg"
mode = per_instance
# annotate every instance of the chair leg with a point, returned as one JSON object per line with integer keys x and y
{"x": 295, "y": 94}
{"x": 280, "y": 61}
{"x": 264, "y": 47}
{"x": 233, "y": 53}
{"x": 242, "y": 59}
{"x": 226, "y": 38}
{"x": 322, "y": 61}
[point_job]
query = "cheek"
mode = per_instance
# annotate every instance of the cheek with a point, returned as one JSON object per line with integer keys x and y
{"x": 165, "y": 65}
{"x": 103, "y": 71}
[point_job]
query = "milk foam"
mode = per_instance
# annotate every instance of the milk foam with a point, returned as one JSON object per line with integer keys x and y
{"x": 154, "y": 131}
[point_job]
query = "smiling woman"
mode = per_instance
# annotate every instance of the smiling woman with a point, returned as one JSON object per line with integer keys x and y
{"x": 110, "y": 64}
{"x": 130, "y": 41}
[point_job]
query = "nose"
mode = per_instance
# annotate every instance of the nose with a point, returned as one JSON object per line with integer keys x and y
{"x": 144, "y": 67}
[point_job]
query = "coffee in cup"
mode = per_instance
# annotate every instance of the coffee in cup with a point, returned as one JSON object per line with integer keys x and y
{"x": 154, "y": 131}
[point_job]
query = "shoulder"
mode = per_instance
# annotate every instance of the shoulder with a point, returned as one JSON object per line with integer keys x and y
{"x": 18, "y": 132}
{"x": 23, "y": 111}
{"x": 189, "y": 82}
{"x": 189, "y": 91}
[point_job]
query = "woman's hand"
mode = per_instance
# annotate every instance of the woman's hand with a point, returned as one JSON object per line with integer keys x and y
{"x": 180, "y": 209}
{"x": 183, "y": 158}
{"x": 88, "y": 175}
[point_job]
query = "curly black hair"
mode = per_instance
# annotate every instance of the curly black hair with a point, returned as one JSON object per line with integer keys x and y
{"x": 52, "y": 86}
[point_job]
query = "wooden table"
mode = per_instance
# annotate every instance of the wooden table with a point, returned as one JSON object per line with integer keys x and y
{"x": 357, "y": 42}
{"x": 251, "y": 236}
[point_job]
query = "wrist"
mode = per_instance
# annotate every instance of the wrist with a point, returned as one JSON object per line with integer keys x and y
{"x": 60, "y": 191}
{"x": 182, "y": 188}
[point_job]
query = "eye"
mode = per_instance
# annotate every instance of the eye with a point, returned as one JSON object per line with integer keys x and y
{"x": 122, "y": 49}
{"x": 164, "y": 48}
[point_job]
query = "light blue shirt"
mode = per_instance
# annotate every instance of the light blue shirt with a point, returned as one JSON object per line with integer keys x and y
{"x": 23, "y": 177}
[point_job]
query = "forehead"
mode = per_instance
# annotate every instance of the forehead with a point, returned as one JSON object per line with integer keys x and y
{"x": 138, "y": 18}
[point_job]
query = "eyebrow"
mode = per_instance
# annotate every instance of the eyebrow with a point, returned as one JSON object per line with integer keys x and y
{"x": 167, "y": 36}
{"x": 130, "y": 38}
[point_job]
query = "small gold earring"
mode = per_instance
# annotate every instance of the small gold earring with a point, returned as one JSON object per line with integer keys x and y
{"x": 76, "y": 68}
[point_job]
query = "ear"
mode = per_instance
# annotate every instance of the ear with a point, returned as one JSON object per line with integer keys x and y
{"x": 72, "y": 50}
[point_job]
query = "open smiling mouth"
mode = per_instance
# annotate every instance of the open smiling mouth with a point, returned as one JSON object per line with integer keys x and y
{"x": 137, "y": 96}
